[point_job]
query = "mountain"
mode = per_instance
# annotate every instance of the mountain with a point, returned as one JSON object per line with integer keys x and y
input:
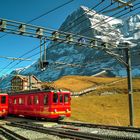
{"x": 65, "y": 59}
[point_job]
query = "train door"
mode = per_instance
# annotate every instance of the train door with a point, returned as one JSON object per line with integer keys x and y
{"x": 64, "y": 101}
{"x": 30, "y": 106}
{"x": 61, "y": 102}
{"x": 36, "y": 105}
{"x": 58, "y": 101}
{"x": 21, "y": 105}
{"x": 3, "y": 105}
{"x": 13, "y": 101}
{"x": 46, "y": 104}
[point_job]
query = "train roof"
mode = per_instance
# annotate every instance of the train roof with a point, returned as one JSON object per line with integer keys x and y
{"x": 37, "y": 91}
{"x": 3, "y": 94}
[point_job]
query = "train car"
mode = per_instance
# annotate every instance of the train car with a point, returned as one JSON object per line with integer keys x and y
{"x": 50, "y": 104}
{"x": 3, "y": 105}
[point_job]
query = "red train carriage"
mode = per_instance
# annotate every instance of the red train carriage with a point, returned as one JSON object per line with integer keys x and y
{"x": 3, "y": 104}
{"x": 49, "y": 104}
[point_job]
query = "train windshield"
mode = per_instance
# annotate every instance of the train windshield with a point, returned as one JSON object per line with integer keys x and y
{"x": 66, "y": 98}
{"x": 61, "y": 98}
{"x": 55, "y": 97}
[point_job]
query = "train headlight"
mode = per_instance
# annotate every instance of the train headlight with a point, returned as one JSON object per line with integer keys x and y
{"x": 67, "y": 110}
{"x": 55, "y": 110}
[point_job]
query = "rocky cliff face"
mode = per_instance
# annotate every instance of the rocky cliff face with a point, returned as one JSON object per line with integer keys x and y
{"x": 67, "y": 59}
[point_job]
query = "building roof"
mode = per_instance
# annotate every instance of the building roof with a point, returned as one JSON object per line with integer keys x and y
{"x": 25, "y": 78}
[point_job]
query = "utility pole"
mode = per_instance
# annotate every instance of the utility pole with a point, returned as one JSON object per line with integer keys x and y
{"x": 30, "y": 82}
{"x": 40, "y": 53}
{"x": 130, "y": 89}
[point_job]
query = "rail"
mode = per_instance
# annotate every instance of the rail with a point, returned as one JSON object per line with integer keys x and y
{"x": 109, "y": 127}
{"x": 63, "y": 133}
{"x": 10, "y": 135}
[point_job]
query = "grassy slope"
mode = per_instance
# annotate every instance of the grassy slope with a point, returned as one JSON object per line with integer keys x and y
{"x": 105, "y": 109}
{"x": 78, "y": 83}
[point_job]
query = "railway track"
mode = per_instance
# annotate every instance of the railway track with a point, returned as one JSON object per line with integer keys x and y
{"x": 10, "y": 135}
{"x": 109, "y": 127}
{"x": 64, "y": 133}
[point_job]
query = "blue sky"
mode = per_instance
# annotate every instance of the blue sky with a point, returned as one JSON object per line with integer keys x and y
{"x": 26, "y": 10}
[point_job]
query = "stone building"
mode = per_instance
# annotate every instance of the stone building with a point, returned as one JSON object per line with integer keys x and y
{"x": 21, "y": 83}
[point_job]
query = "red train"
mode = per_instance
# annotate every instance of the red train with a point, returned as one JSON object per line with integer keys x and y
{"x": 50, "y": 104}
{"x": 3, "y": 105}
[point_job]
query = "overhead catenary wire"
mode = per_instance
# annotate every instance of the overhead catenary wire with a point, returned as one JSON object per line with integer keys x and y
{"x": 92, "y": 15}
{"x": 106, "y": 20}
{"x": 89, "y": 10}
{"x": 44, "y": 14}
{"x": 124, "y": 4}
{"x": 85, "y": 64}
{"x": 50, "y": 11}
{"x": 70, "y": 64}
{"x": 122, "y": 16}
{"x": 94, "y": 7}
{"x": 86, "y": 13}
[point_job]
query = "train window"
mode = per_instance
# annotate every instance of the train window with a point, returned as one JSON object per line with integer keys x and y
{"x": 21, "y": 101}
{"x": 66, "y": 98}
{"x": 55, "y": 97}
{"x": 45, "y": 99}
{"x": 61, "y": 98}
{"x": 15, "y": 101}
{"x": 36, "y": 100}
{"x": 29, "y": 101}
{"x": 3, "y": 99}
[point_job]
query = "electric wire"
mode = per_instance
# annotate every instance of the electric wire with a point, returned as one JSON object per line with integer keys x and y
{"x": 70, "y": 64}
{"x": 103, "y": 22}
{"x": 87, "y": 18}
{"x": 46, "y": 13}
{"x": 123, "y": 15}
{"x": 85, "y": 64}
{"x": 52, "y": 10}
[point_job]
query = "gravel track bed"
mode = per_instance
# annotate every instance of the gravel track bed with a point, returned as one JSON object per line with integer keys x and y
{"x": 2, "y": 137}
{"x": 103, "y": 131}
{"x": 32, "y": 135}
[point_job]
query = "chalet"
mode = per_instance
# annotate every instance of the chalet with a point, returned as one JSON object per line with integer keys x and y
{"x": 21, "y": 83}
